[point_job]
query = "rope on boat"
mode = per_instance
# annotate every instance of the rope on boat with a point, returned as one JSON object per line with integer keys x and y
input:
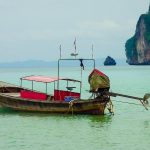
{"x": 110, "y": 107}
{"x": 81, "y": 64}
{"x": 82, "y": 68}
{"x": 70, "y": 107}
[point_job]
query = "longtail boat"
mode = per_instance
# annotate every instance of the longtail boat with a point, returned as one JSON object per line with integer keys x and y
{"x": 64, "y": 100}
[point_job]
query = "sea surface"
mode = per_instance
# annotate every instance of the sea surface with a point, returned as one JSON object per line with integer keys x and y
{"x": 128, "y": 129}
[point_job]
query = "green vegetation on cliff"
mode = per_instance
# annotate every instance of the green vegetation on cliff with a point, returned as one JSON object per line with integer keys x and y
{"x": 131, "y": 47}
{"x": 131, "y": 43}
{"x": 137, "y": 46}
{"x": 146, "y": 18}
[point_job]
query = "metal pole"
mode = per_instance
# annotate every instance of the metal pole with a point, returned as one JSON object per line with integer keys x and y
{"x": 67, "y": 85}
{"x": 92, "y": 51}
{"x": 75, "y": 48}
{"x": 32, "y": 85}
{"x": 54, "y": 85}
{"x": 81, "y": 76}
{"x": 94, "y": 63}
{"x": 72, "y": 59}
{"x": 21, "y": 83}
{"x": 60, "y": 51}
{"x": 80, "y": 90}
{"x": 58, "y": 76}
{"x": 46, "y": 87}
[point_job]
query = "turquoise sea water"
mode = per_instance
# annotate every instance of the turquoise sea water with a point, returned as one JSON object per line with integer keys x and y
{"x": 128, "y": 129}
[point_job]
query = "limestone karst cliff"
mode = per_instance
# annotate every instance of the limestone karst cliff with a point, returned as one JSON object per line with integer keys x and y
{"x": 138, "y": 46}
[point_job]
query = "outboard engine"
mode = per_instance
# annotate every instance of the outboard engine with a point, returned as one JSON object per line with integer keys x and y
{"x": 99, "y": 83}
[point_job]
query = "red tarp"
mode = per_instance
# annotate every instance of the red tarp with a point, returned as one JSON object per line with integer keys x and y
{"x": 33, "y": 95}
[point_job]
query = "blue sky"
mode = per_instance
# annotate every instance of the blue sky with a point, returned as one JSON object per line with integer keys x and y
{"x": 34, "y": 29}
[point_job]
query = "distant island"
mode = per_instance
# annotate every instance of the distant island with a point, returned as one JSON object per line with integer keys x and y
{"x": 109, "y": 61}
{"x": 28, "y": 63}
{"x": 138, "y": 47}
{"x": 42, "y": 63}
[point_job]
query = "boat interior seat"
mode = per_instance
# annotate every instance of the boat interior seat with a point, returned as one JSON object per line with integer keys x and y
{"x": 70, "y": 88}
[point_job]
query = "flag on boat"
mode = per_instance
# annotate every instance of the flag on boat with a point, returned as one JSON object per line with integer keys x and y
{"x": 98, "y": 80}
{"x": 75, "y": 45}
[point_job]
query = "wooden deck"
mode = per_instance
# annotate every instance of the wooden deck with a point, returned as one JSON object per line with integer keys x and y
{"x": 5, "y": 84}
{"x": 12, "y": 94}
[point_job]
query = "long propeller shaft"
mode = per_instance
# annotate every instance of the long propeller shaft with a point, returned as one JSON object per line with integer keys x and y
{"x": 144, "y": 101}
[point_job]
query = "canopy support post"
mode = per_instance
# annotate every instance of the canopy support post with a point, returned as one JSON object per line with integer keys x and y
{"x": 32, "y": 85}
{"x": 58, "y": 76}
{"x": 21, "y": 82}
{"x": 46, "y": 87}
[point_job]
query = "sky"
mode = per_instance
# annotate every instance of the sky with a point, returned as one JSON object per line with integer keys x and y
{"x": 34, "y": 29}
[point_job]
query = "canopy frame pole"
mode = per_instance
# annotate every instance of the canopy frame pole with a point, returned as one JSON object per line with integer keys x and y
{"x": 67, "y": 84}
{"x": 32, "y": 85}
{"x": 80, "y": 89}
{"x": 92, "y": 52}
{"x": 46, "y": 87}
{"x": 58, "y": 74}
{"x": 54, "y": 85}
{"x": 71, "y": 60}
{"x": 21, "y": 82}
{"x": 60, "y": 51}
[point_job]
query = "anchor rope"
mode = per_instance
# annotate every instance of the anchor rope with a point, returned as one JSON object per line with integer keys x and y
{"x": 70, "y": 106}
{"x": 110, "y": 107}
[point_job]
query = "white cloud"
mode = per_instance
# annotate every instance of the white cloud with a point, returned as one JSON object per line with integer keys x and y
{"x": 100, "y": 25}
{"x": 26, "y": 26}
{"x": 96, "y": 29}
